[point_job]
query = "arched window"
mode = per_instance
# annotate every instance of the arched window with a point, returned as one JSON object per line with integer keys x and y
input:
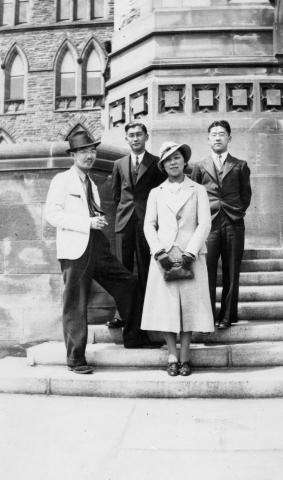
{"x": 5, "y": 139}
{"x": 92, "y": 79}
{"x": 66, "y": 83}
{"x": 15, "y": 85}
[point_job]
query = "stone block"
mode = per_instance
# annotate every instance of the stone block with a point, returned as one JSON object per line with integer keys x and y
{"x": 30, "y": 307}
{"x": 20, "y": 222}
{"x": 25, "y": 187}
{"x": 257, "y": 354}
{"x": 31, "y": 257}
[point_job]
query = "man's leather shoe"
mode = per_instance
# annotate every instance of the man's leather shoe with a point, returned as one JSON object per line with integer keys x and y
{"x": 115, "y": 323}
{"x": 223, "y": 324}
{"x": 82, "y": 369}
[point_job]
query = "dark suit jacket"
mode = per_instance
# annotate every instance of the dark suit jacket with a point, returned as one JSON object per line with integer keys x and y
{"x": 232, "y": 192}
{"x": 129, "y": 197}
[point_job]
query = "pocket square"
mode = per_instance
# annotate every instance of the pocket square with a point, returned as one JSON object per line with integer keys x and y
{"x": 75, "y": 195}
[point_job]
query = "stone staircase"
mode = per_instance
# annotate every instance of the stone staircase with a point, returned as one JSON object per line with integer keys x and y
{"x": 243, "y": 361}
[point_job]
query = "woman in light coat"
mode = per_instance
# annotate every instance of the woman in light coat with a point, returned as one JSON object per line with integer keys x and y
{"x": 177, "y": 223}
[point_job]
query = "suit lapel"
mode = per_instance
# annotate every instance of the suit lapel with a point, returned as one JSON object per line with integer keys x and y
{"x": 228, "y": 165}
{"x": 176, "y": 202}
{"x": 209, "y": 166}
{"x": 145, "y": 164}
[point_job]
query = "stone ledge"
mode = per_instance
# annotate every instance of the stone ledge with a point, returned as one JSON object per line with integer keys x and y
{"x": 17, "y": 377}
{"x": 255, "y": 354}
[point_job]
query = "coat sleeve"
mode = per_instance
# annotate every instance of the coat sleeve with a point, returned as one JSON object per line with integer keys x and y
{"x": 151, "y": 224}
{"x": 55, "y": 211}
{"x": 116, "y": 184}
{"x": 204, "y": 223}
{"x": 245, "y": 187}
{"x": 196, "y": 174}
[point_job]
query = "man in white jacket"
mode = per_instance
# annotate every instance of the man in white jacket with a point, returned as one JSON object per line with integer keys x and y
{"x": 73, "y": 207}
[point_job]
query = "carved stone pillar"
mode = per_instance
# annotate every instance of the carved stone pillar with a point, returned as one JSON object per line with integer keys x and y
{"x": 278, "y": 29}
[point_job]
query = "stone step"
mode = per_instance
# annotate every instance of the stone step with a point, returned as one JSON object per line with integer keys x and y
{"x": 259, "y": 310}
{"x": 242, "y": 332}
{"x": 257, "y": 293}
{"x": 262, "y": 265}
{"x": 251, "y": 254}
{"x": 258, "y": 278}
{"x": 17, "y": 377}
{"x": 256, "y": 354}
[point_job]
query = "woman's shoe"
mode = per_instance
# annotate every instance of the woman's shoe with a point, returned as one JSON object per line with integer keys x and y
{"x": 185, "y": 369}
{"x": 173, "y": 369}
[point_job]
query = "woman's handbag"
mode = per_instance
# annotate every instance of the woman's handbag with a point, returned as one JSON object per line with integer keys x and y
{"x": 177, "y": 272}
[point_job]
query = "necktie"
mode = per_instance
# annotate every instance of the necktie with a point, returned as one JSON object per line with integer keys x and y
{"x": 218, "y": 162}
{"x": 92, "y": 206}
{"x": 136, "y": 169}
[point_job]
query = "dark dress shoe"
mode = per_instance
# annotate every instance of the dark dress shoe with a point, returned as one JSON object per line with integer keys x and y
{"x": 115, "y": 323}
{"x": 223, "y": 324}
{"x": 173, "y": 369}
{"x": 82, "y": 369}
{"x": 185, "y": 369}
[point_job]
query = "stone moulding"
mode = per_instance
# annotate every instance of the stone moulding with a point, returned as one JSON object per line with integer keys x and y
{"x": 50, "y": 155}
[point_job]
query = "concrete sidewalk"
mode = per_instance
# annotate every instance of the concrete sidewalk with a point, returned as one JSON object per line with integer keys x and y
{"x": 79, "y": 438}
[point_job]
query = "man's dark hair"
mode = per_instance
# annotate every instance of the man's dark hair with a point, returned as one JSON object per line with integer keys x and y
{"x": 220, "y": 123}
{"x": 136, "y": 124}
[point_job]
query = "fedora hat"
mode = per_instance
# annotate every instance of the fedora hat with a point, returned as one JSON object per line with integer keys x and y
{"x": 81, "y": 139}
{"x": 167, "y": 148}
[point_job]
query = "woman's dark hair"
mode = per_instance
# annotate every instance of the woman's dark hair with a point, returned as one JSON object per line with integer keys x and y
{"x": 220, "y": 123}
{"x": 134, "y": 125}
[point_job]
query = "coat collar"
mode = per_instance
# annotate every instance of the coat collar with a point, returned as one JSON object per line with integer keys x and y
{"x": 209, "y": 166}
{"x": 145, "y": 164}
{"x": 176, "y": 202}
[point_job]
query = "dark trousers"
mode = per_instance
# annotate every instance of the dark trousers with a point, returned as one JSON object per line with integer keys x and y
{"x": 226, "y": 240}
{"x": 130, "y": 242}
{"x": 97, "y": 263}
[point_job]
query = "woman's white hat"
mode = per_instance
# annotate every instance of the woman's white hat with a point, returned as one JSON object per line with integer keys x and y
{"x": 167, "y": 148}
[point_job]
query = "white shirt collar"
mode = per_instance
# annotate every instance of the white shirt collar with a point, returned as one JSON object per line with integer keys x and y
{"x": 215, "y": 156}
{"x": 134, "y": 157}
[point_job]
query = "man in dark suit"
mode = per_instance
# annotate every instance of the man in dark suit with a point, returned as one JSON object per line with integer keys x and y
{"x": 133, "y": 178}
{"x": 227, "y": 181}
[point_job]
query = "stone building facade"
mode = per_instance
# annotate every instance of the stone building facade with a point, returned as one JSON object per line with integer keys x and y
{"x": 175, "y": 64}
{"x": 53, "y": 61}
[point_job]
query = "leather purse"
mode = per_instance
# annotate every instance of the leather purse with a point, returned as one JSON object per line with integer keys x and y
{"x": 177, "y": 272}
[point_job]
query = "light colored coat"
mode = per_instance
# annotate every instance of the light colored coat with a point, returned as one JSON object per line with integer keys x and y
{"x": 181, "y": 219}
{"x": 67, "y": 210}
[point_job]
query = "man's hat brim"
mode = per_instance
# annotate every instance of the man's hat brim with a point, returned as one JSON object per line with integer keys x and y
{"x": 82, "y": 147}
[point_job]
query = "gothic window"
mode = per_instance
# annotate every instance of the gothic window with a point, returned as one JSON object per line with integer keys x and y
{"x": 15, "y": 85}
{"x": 6, "y": 11}
{"x": 92, "y": 80}
{"x": 66, "y": 83}
{"x": 64, "y": 10}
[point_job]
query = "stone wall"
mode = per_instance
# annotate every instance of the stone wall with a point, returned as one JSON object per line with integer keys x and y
{"x": 30, "y": 278}
{"x": 39, "y": 42}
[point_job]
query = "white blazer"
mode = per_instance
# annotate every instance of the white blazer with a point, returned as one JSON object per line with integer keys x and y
{"x": 183, "y": 219}
{"x": 67, "y": 210}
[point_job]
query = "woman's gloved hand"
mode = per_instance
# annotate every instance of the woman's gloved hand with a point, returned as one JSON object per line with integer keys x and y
{"x": 164, "y": 260}
{"x": 187, "y": 260}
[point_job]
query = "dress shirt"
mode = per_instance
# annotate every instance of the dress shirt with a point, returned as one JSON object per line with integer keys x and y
{"x": 134, "y": 158}
{"x": 82, "y": 177}
{"x": 216, "y": 159}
